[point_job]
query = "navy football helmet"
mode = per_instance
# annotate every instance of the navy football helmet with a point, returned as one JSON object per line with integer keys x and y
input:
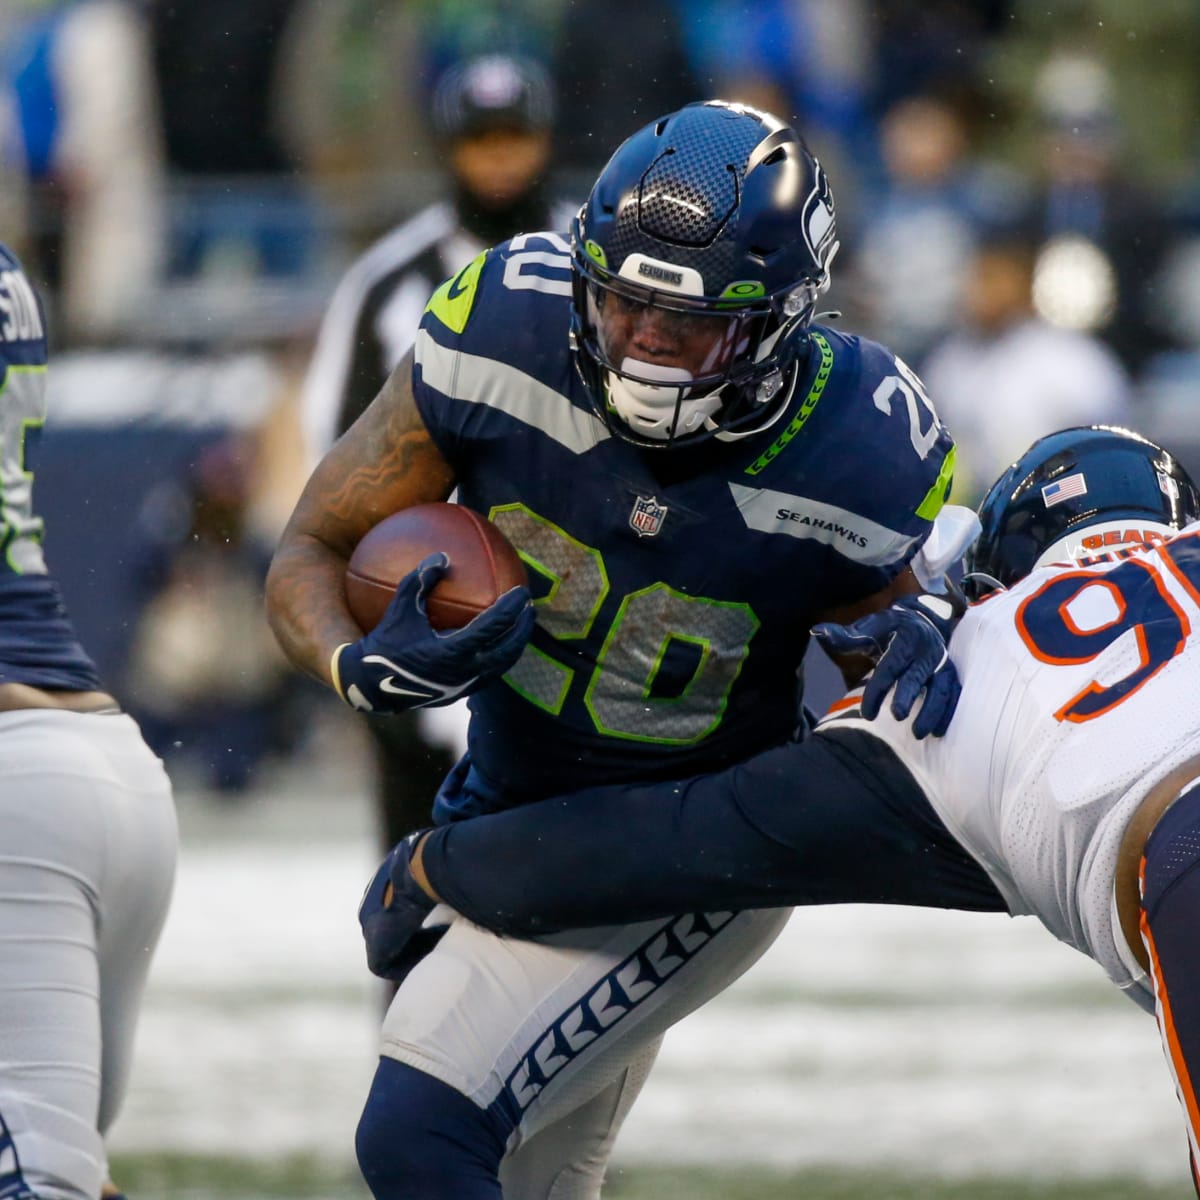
{"x": 1076, "y": 494}
{"x": 697, "y": 262}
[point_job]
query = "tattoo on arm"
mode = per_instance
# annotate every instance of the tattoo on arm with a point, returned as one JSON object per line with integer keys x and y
{"x": 386, "y": 461}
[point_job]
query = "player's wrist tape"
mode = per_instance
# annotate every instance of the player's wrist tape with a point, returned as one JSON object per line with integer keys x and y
{"x": 941, "y": 611}
{"x": 335, "y": 676}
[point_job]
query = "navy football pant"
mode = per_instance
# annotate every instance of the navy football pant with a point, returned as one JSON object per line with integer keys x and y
{"x": 419, "y": 1139}
{"x": 1170, "y": 888}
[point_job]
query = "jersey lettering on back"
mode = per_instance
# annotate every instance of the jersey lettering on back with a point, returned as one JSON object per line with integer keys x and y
{"x": 20, "y": 318}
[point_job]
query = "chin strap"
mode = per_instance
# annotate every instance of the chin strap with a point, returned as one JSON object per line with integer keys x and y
{"x": 780, "y": 400}
{"x": 657, "y": 410}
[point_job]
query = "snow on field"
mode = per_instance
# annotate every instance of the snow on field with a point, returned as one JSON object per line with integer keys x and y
{"x": 916, "y": 1041}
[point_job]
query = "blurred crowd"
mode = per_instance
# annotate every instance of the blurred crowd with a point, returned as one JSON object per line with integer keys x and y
{"x": 196, "y": 185}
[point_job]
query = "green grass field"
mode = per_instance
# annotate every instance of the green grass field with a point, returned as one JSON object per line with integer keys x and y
{"x": 157, "y": 1177}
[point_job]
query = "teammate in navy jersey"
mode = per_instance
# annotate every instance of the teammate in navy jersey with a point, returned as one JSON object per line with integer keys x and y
{"x": 89, "y": 835}
{"x": 695, "y": 473}
{"x": 1067, "y": 786}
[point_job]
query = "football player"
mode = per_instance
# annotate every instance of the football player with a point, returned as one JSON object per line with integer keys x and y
{"x": 1067, "y": 786}
{"x": 695, "y": 472}
{"x": 89, "y": 835}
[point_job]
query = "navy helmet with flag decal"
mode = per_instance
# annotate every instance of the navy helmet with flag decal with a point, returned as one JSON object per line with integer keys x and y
{"x": 1074, "y": 492}
{"x": 697, "y": 262}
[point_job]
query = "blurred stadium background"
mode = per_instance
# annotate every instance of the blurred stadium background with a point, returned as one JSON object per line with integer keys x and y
{"x": 188, "y": 179}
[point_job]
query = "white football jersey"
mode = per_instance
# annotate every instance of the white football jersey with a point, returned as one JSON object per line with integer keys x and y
{"x": 1080, "y": 692}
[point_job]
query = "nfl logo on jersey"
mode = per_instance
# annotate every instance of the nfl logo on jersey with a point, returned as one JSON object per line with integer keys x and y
{"x": 647, "y": 516}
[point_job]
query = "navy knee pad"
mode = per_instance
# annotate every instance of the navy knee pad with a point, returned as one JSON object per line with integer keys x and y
{"x": 419, "y": 1139}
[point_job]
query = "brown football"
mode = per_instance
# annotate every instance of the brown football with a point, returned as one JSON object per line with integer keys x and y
{"x": 483, "y": 564}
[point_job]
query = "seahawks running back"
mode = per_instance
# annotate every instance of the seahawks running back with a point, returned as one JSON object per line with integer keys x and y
{"x": 675, "y": 589}
{"x": 694, "y": 472}
{"x": 89, "y": 833}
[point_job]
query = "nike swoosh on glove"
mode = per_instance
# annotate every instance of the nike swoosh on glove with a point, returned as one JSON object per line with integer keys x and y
{"x": 389, "y": 930}
{"x": 404, "y": 663}
{"x": 908, "y": 640}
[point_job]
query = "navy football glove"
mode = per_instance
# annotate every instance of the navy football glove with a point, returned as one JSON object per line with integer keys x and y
{"x": 908, "y": 640}
{"x": 392, "y": 932}
{"x": 404, "y": 663}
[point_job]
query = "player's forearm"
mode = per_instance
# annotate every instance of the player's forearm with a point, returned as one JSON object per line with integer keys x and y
{"x": 305, "y": 587}
{"x": 609, "y": 856}
{"x": 801, "y": 824}
{"x": 305, "y": 604}
{"x": 386, "y": 462}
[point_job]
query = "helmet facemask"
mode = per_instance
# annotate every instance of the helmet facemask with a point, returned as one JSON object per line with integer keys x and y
{"x": 666, "y": 363}
{"x": 696, "y": 272}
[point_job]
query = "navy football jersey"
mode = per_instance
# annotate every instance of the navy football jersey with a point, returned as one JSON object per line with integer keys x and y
{"x": 674, "y": 589}
{"x": 37, "y": 644}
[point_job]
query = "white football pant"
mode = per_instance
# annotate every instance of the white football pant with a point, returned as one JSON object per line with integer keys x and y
{"x": 559, "y": 1034}
{"x": 87, "y": 861}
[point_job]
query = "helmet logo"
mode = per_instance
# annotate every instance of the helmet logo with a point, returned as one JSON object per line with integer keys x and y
{"x": 652, "y": 270}
{"x": 819, "y": 221}
{"x": 596, "y": 252}
{"x": 1063, "y": 489}
{"x": 647, "y": 516}
{"x": 744, "y": 289}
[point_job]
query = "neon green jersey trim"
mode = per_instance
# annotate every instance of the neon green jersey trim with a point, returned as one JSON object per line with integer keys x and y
{"x": 935, "y": 498}
{"x": 453, "y": 301}
{"x": 806, "y": 409}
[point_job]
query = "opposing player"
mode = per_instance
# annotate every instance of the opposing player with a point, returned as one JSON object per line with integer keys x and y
{"x": 89, "y": 835}
{"x": 694, "y": 473}
{"x": 1067, "y": 786}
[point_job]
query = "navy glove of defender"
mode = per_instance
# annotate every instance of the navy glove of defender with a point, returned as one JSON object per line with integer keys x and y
{"x": 908, "y": 638}
{"x": 393, "y": 935}
{"x": 404, "y": 663}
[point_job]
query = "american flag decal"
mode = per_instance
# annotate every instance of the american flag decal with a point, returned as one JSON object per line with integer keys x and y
{"x": 1064, "y": 489}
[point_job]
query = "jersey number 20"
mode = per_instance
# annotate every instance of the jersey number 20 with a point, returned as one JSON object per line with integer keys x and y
{"x": 619, "y": 689}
